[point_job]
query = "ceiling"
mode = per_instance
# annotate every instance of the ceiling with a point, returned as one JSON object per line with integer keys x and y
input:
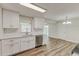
{"x": 55, "y": 11}
{"x": 58, "y": 11}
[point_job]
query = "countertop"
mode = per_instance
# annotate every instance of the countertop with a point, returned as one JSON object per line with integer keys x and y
{"x": 10, "y": 37}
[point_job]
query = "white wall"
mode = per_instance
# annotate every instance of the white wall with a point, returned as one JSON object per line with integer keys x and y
{"x": 69, "y": 32}
{"x": 52, "y": 28}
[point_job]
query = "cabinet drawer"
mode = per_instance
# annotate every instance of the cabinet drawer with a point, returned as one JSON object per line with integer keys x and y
{"x": 8, "y": 41}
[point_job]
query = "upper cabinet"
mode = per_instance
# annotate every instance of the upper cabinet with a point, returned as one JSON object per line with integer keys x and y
{"x": 0, "y": 17}
{"x": 10, "y": 19}
{"x": 1, "y": 30}
{"x": 38, "y": 23}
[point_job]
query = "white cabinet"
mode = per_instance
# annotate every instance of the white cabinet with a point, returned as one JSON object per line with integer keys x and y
{"x": 38, "y": 23}
{"x": 13, "y": 46}
{"x": 7, "y": 47}
{"x": 10, "y": 19}
{"x": 1, "y": 30}
{"x": 0, "y": 17}
{"x": 16, "y": 47}
{"x": 27, "y": 43}
{"x": 10, "y": 46}
{"x": 24, "y": 44}
{"x": 0, "y": 47}
{"x": 31, "y": 42}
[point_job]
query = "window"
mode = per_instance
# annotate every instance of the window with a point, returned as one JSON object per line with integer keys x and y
{"x": 25, "y": 27}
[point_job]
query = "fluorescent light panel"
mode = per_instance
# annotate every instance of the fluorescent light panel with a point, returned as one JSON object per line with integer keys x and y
{"x": 29, "y": 5}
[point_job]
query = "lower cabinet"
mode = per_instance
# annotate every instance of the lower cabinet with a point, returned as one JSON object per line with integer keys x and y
{"x": 24, "y": 44}
{"x": 10, "y": 46}
{"x": 7, "y": 47}
{"x": 0, "y": 47}
{"x": 16, "y": 45}
{"x": 31, "y": 42}
{"x": 27, "y": 43}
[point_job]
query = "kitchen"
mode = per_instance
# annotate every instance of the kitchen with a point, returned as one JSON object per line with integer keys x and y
{"x": 18, "y": 32}
{"x": 23, "y": 29}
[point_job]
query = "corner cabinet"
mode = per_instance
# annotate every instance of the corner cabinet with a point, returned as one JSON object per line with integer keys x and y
{"x": 10, "y": 19}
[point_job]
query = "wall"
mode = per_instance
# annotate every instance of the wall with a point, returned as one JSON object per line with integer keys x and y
{"x": 69, "y": 32}
{"x": 52, "y": 28}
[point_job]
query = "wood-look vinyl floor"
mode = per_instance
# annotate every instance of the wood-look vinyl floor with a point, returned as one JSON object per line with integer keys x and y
{"x": 55, "y": 47}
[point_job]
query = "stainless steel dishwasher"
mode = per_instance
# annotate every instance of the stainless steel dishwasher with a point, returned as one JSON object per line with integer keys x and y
{"x": 39, "y": 40}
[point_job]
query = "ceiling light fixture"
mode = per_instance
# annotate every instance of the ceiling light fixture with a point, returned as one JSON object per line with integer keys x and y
{"x": 32, "y": 6}
{"x": 67, "y": 21}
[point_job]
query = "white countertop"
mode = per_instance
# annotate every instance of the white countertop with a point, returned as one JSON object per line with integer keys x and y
{"x": 15, "y": 36}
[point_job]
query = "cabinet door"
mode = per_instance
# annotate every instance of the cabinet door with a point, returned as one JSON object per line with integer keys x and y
{"x": 31, "y": 42}
{"x": 7, "y": 47}
{"x": 0, "y": 47}
{"x": 16, "y": 47}
{"x": 24, "y": 44}
{"x": 39, "y": 23}
{"x": 0, "y": 18}
{"x": 10, "y": 19}
{"x": 1, "y": 30}
{"x": 27, "y": 43}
